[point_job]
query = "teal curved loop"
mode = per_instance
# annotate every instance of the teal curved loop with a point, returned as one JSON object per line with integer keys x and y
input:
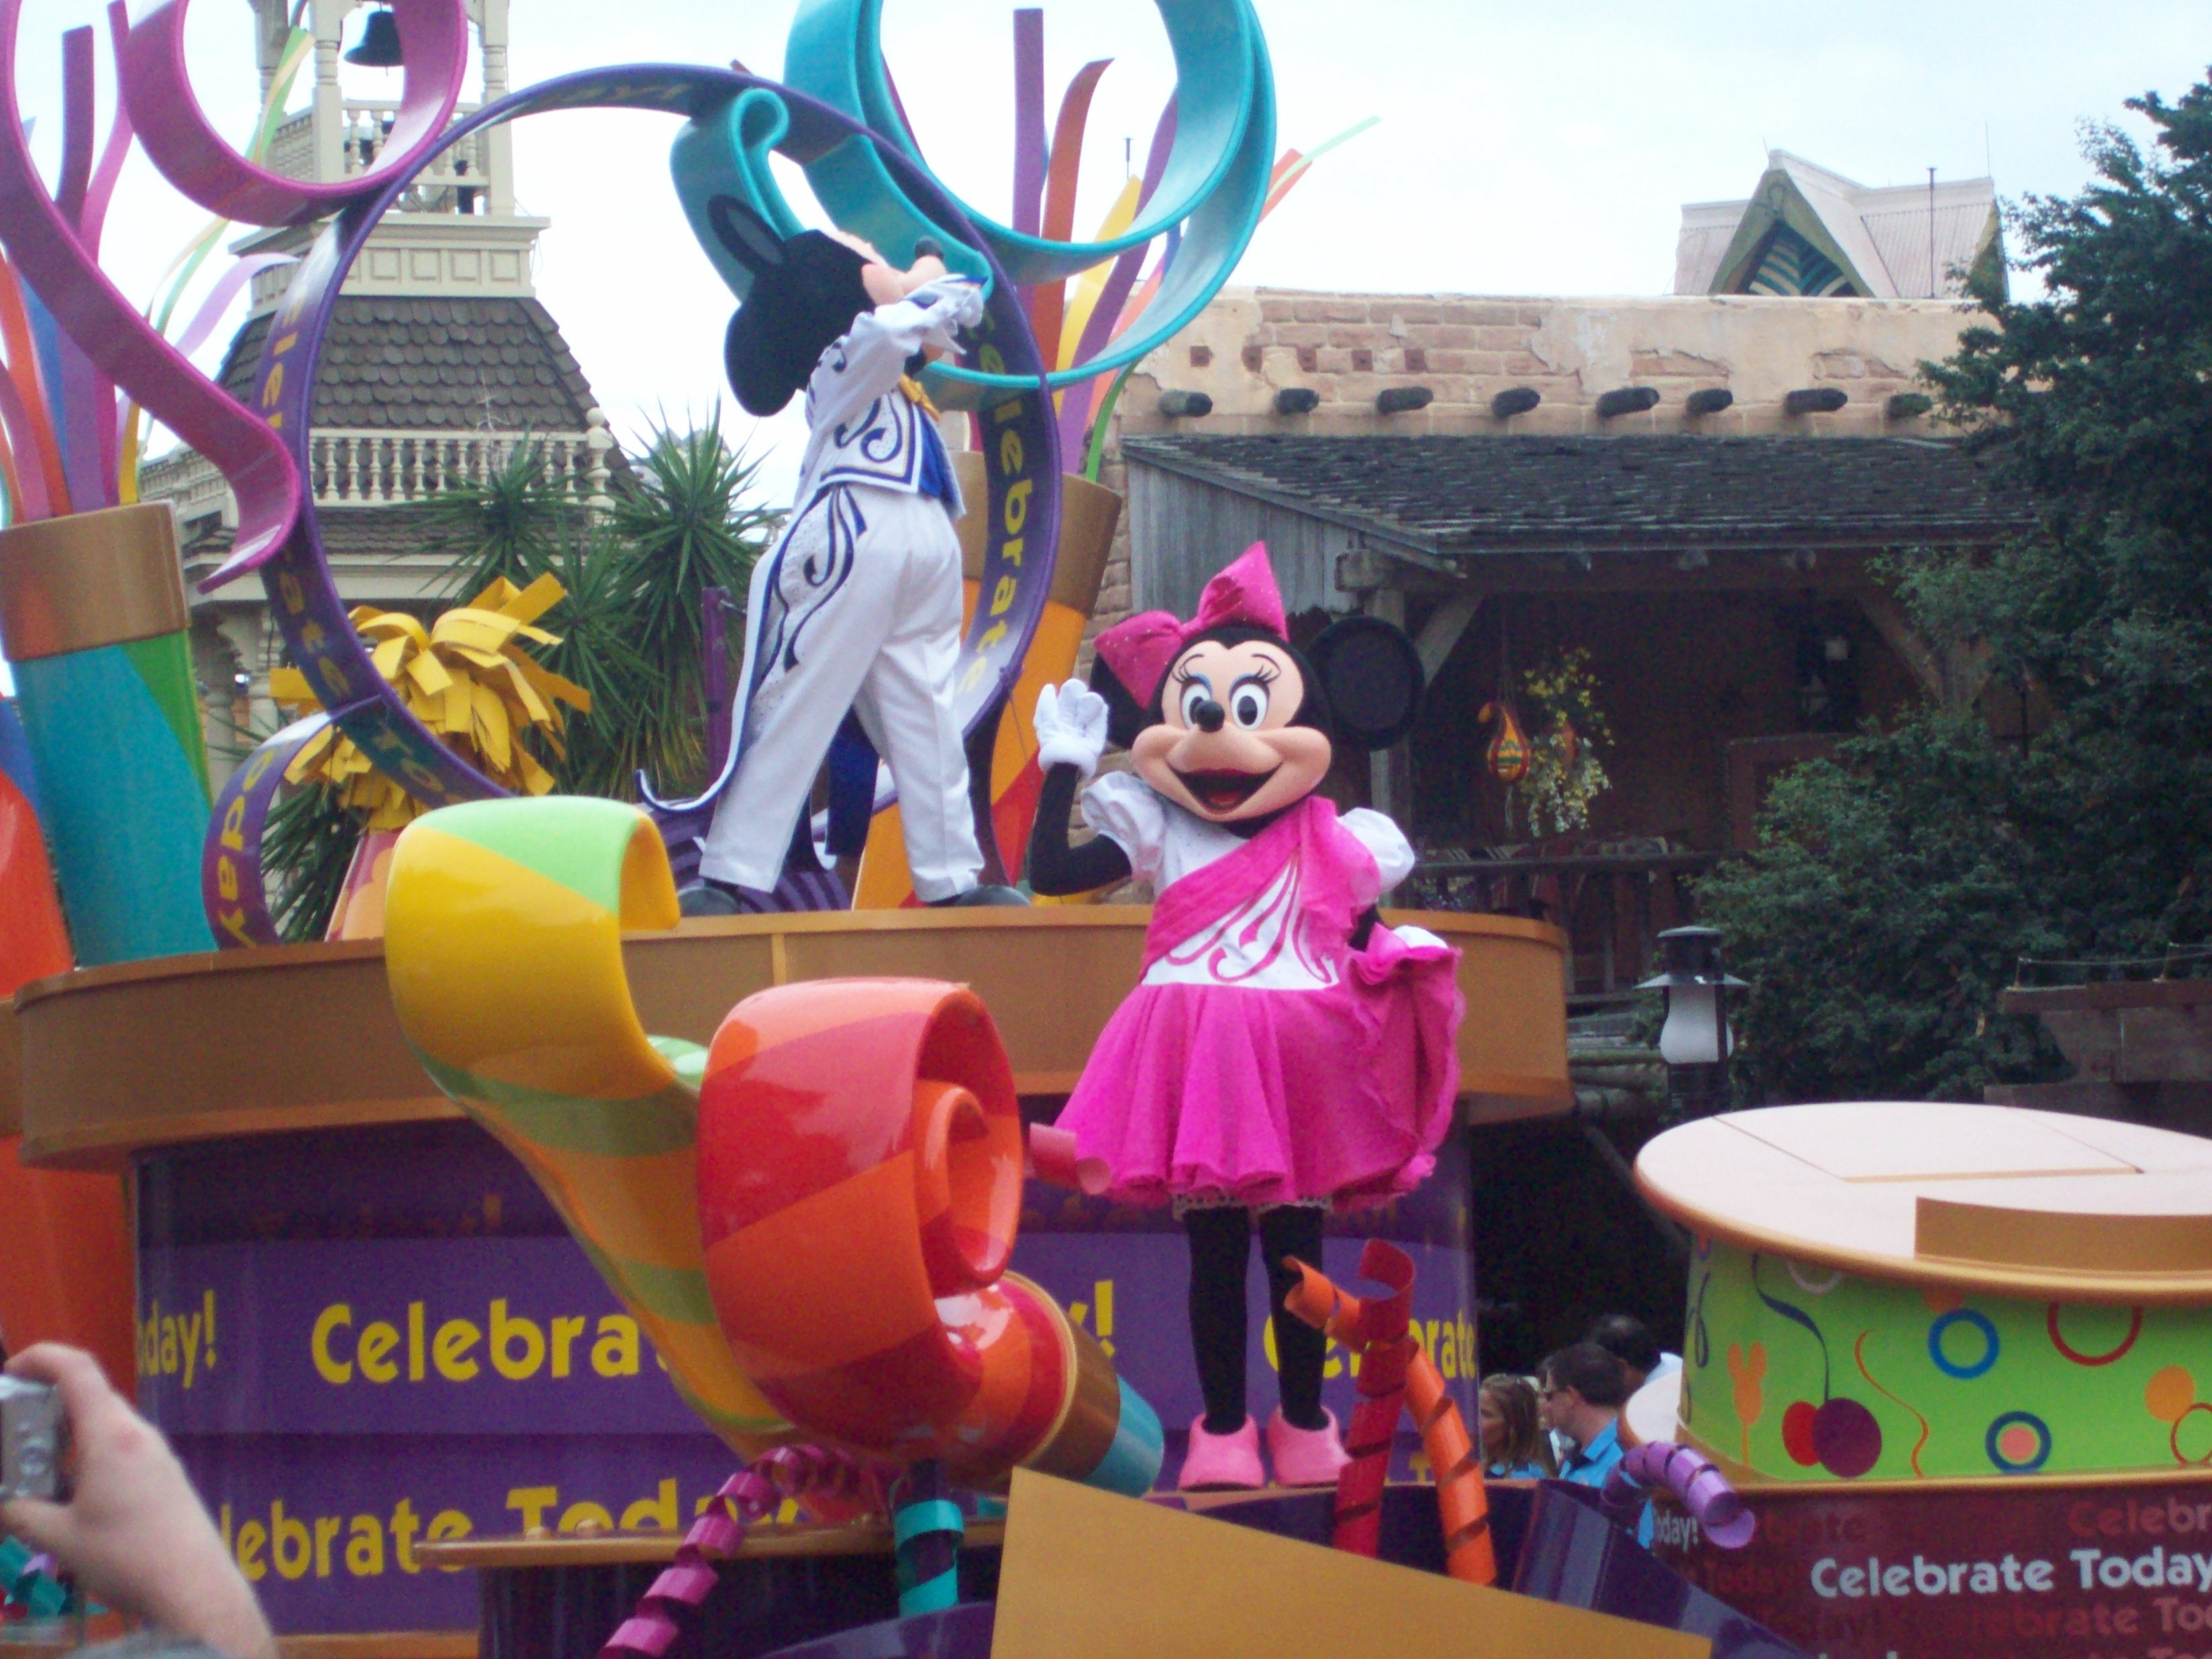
{"x": 725, "y": 152}
{"x": 1214, "y": 188}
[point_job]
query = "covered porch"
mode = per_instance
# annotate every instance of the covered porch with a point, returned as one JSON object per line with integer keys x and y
{"x": 1733, "y": 598}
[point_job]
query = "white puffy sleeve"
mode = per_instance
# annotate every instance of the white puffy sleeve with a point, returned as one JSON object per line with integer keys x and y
{"x": 868, "y": 360}
{"x": 1122, "y": 807}
{"x": 1385, "y": 843}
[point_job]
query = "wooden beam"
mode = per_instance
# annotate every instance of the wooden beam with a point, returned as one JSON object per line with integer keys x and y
{"x": 1914, "y": 649}
{"x": 1443, "y": 627}
{"x": 1953, "y": 675}
{"x": 1390, "y": 771}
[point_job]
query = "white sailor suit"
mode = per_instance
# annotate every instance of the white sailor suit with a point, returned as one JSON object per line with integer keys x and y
{"x": 858, "y": 606}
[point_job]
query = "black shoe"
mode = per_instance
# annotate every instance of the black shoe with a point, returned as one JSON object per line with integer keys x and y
{"x": 709, "y": 896}
{"x": 979, "y": 896}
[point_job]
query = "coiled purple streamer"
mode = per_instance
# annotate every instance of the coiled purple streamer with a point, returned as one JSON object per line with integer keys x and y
{"x": 752, "y": 1495}
{"x": 1703, "y": 1489}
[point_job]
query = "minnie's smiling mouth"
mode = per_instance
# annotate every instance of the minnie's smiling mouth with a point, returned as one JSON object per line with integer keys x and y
{"x": 1225, "y": 791}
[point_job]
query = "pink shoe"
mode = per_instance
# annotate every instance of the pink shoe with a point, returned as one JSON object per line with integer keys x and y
{"x": 1216, "y": 1460}
{"x": 1306, "y": 1457}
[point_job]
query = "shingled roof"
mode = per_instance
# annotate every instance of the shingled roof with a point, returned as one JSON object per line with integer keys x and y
{"x": 459, "y": 364}
{"x": 1470, "y": 495}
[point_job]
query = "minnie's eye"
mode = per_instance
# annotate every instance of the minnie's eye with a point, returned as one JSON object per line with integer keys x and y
{"x": 1194, "y": 694}
{"x": 1248, "y": 706}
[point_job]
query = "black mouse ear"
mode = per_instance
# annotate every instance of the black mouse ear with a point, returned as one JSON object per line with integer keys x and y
{"x": 1125, "y": 715}
{"x": 1371, "y": 675}
{"x": 752, "y": 241}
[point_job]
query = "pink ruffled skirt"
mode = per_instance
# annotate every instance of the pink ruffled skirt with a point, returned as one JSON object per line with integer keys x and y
{"x": 1269, "y": 1097}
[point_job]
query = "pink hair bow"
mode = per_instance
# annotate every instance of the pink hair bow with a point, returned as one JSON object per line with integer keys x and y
{"x": 1140, "y": 648}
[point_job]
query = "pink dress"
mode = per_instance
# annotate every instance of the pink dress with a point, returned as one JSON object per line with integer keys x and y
{"x": 1260, "y": 1061}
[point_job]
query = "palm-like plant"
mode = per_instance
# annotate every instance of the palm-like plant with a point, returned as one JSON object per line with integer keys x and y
{"x": 686, "y": 523}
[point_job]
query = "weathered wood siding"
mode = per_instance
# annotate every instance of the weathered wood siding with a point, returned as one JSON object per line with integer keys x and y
{"x": 1182, "y": 532}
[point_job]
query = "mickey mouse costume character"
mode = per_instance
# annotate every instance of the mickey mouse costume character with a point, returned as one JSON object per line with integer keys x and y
{"x": 857, "y": 607}
{"x": 1284, "y": 1052}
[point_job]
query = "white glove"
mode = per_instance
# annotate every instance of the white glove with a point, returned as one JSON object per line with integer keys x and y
{"x": 1070, "y": 727}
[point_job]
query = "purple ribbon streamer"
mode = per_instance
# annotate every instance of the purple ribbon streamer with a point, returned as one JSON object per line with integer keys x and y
{"x": 1689, "y": 1474}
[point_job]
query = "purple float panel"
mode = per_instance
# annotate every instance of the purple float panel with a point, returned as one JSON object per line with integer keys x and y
{"x": 345, "y": 1325}
{"x": 1572, "y": 1553}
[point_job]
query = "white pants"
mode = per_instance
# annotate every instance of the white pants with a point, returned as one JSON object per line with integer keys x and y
{"x": 857, "y": 607}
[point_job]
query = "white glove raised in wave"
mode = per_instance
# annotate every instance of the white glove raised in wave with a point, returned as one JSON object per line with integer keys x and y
{"x": 1070, "y": 727}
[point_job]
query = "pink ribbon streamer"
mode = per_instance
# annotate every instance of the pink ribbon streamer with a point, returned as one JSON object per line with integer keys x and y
{"x": 834, "y": 1479}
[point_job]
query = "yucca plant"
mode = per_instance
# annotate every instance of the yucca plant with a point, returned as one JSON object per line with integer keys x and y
{"x": 685, "y": 523}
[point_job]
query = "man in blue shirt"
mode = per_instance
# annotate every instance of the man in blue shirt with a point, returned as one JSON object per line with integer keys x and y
{"x": 1580, "y": 1391}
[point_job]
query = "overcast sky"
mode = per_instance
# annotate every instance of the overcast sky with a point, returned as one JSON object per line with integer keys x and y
{"x": 1522, "y": 149}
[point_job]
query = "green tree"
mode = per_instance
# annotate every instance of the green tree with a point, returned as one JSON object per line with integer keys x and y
{"x": 1892, "y": 895}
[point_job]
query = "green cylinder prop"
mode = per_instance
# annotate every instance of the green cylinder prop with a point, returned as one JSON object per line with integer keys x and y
{"x": 92, "y": 611}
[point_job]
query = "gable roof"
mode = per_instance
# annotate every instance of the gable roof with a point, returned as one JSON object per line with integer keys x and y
{"x": 428, "y": 364}
{"x": 1471, "y": 497}
{"x": 1877, "y": 236}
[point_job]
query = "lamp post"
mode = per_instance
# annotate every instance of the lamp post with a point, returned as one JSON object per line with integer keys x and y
{"x": 1695, "y": 1042}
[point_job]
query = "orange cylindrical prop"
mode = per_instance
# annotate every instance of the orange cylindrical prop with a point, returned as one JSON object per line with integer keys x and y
{"x": 65, "y": 1252}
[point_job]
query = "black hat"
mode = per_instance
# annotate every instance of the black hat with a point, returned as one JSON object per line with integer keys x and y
{"x": 806, "y": 291}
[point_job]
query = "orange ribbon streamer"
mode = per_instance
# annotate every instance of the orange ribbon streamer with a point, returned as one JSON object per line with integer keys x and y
{"x": 1394, "y": 1373}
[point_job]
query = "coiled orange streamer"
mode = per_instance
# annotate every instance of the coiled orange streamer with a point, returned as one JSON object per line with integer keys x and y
{"x": 1393, "y": 1373}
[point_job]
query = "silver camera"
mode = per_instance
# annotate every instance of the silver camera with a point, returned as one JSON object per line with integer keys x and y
{"x": 32, "y": 1435}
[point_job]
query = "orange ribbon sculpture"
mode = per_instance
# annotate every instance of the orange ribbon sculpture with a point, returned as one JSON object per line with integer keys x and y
{"x": 1395, "y": 1372}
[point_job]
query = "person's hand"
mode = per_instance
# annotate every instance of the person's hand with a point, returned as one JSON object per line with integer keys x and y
{"x": 134, "y": 1532}
{"x": 1070, "y": 727}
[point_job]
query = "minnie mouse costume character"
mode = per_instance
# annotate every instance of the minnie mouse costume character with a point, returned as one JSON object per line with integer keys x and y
{"x": 1284, "y": 1052}
{"x": 857, "y": 607}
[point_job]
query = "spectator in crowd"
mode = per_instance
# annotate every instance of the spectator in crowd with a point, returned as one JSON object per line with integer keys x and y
{"x": 1514, "y": 1446}
{"x": 133, "y": 1531}
{"x": 1629, "y": 1340}
{"x": 1583, "y": 1388}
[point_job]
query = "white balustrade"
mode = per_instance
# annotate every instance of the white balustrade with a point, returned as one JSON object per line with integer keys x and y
{"x": 383, "y": 468}
{"x": 379, "y": 467}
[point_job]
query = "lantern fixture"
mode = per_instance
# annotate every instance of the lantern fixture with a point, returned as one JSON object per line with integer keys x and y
{"x": 379, "y": 48}
{"x": 1695, "y": 1042}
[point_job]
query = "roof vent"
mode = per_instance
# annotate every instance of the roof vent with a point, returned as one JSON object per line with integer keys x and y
{"x": 1815, "y": 400}
{"x": 1626, "y": 400}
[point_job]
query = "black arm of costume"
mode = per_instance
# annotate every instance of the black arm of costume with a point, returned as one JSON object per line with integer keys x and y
{"x": 1057, "y": 870}
{"x": 1368, "y": 920}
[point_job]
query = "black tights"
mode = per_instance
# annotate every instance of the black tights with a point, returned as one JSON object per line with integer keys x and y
{"x": 1221, "y": 1245}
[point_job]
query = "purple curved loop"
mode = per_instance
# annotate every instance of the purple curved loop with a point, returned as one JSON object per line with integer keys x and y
{"x": 232, "y": 885}
{"x": 181, "y": 141}
{"x": 1690, "y": 1476}
{"x": 108, "y": 330}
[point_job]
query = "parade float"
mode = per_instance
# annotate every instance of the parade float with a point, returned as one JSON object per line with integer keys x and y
{"x": 1948, "y": 1355}
{"x": 376, "y": 1341}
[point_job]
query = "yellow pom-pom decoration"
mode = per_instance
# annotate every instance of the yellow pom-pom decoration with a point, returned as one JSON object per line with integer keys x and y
{"x": 468, "y": 678}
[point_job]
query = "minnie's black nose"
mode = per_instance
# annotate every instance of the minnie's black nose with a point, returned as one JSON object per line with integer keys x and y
{"x": 1209, "y": 715}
